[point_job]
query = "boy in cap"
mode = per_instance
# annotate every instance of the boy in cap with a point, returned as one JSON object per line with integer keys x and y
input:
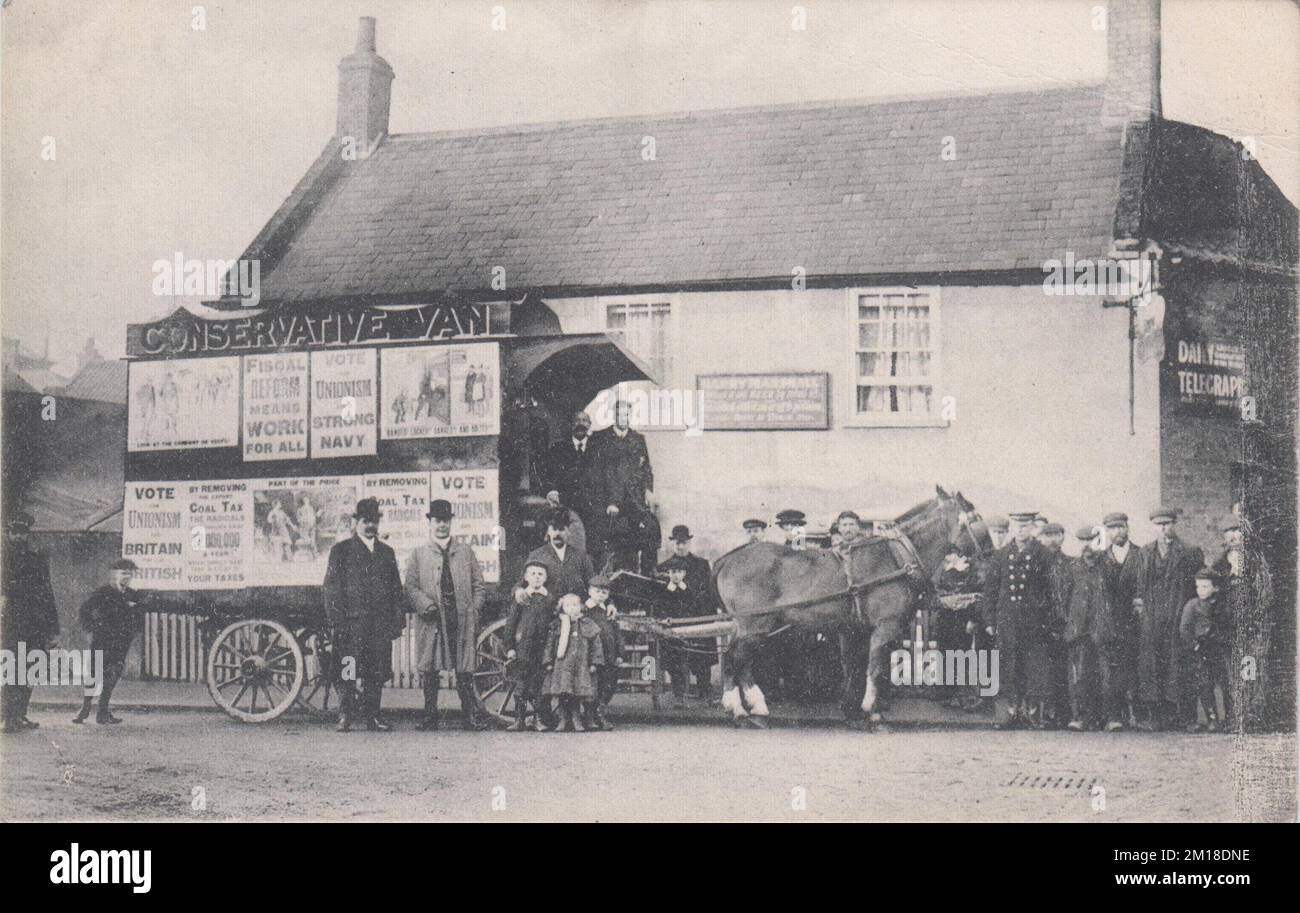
{"x": 604, "y": 614}
{"x": 27, "y": 612}
{"x": 1054, "y": 704}
{"x": 112, "y": 616}
{"x": 366, "y": 609}
{"x": 680, "y": 601}
{"x": 1206, "y": 636}
{"x": 1169, "y": 566}
{"x": 755, "y": 530}
{"x": 527, "y": 623}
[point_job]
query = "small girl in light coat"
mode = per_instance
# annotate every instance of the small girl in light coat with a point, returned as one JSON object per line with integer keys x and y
{"x": 574, "y": 655}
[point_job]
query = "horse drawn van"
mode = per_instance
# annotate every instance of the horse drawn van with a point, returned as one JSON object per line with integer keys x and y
{"x": 252, "y": 433}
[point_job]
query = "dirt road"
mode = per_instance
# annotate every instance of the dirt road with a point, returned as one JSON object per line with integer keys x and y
{"x": 159, "y": 765}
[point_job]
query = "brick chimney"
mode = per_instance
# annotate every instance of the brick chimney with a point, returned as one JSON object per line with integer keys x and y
{"x": 1132, "y": 61}
{"x": 365, "y": 89}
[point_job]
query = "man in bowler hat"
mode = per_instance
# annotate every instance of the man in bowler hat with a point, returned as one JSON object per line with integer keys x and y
{"x": 366, "y": 610}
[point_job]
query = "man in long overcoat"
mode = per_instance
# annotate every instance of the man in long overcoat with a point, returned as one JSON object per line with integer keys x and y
{"x": 444, "y": 584}
{"x": 1018, "y": 613}
{"x": 624, "y": 481}
{"x": 1169, "y": 567}
{"x": 1247, "y": 593}
{"x": 27, "y": 614}
{"x": 1117, "y": 654}
{"x": 366, "y": 610}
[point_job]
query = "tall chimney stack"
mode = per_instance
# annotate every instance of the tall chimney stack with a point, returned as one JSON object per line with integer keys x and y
{"x": 365, "y": 89}
{"x": 1132, "y": 61}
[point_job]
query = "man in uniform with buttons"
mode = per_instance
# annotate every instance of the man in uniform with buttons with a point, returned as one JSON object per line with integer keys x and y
{"x": 1018, "y": 609}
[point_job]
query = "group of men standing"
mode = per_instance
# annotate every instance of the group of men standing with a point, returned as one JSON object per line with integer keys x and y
{"x": 606, "y": 480}
{"x": 1120, "y": 636}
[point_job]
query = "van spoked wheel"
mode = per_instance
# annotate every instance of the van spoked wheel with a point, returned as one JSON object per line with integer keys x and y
{"x": 255, "y": 670}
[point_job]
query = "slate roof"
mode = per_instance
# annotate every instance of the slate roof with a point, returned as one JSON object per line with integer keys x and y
{"x": 840, "y": 189}
{"x": 103, "y": 380}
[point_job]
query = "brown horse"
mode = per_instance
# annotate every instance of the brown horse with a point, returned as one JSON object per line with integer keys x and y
{"x": 866, "y": 593}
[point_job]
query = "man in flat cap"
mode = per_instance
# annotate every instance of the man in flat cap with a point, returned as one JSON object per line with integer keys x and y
{"x": 568, "y": 568}
{"x": 1169, "y": 568}
{"x": 444, "y": 585}
{"x": 702, "y": 654}
{"x": 1117, "y": 656}
{"x": 792, "y": 524}
{"x": 755, "y": 530}
{"x": 1018, "y": 611}
{"x": 27, "y": 613}
{"x": 1246, "y": 589}
{"x": 112, "y": 617}
{"x": 366, "y": 610}
{"x": 999, "y": 528}
{"x": 1087, "y": 615}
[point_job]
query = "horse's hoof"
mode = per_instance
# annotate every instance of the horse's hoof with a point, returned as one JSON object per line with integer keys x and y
{"x": 875, "y": 717}
{"x": 756, "y": 722}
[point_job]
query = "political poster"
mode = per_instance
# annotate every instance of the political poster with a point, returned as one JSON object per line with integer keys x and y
{"x": 473, "y": 497}
{"x": 344, "y": 405}
{"x": 154, "y": 528}
{"x": 440, "y": 391}
{"x": 275, "y": 406}
{"x": 219, "y": 534}
{"x": 404, "y": 500}
{"x": 295, "y": 522}
{"x": 182, "y": 404}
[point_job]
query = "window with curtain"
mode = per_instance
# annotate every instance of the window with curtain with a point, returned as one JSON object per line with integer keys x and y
{"x": 896, "y": 354}
{"x": 645, "y": 331}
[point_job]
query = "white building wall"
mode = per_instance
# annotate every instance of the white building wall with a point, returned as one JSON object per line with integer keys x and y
{"x": 1041, "y": 422}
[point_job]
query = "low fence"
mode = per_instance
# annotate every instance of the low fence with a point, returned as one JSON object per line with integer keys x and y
{"x": 175, "y": 649}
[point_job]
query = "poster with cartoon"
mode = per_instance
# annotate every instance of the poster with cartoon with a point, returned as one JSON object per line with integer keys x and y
{"x": 404, "y": 500}
{"x": 295, "y": 522}
{"x": 183, "y": 403}
{"x": 440, "y": 391}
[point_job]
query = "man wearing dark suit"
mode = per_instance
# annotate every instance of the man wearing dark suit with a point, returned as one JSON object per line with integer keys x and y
{"x": 703, "y": 654}
{"x": 568, "y": 477}
{"x": 112, "y": 616}
{"x": 366, "y": 609}
{"x": 27, "y": 614}
{"x": 1169, "y": 568}
{"x": 1117, "y": 659}
{"x": 624, "y": 482}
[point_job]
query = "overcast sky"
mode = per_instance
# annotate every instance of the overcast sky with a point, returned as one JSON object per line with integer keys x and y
{"x": 168, "y": 138}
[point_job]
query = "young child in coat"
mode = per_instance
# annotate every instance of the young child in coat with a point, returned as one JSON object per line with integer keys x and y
{"x": 574, "y": 656}
{"x": 679, "y": 602}
{"x": 530, "y": 617}
{"x": 1206, "y": 638}
{"x": 600, "y": 610}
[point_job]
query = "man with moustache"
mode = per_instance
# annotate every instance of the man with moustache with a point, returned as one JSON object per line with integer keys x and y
{"x": 623, "y": 491}
{"x": 568, "y": 470}
{"x": 1117, "y": 657}
{"x": 444, "y": 584}
{"x": 366, "y": 610}
{"x": 568, "y": 568}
